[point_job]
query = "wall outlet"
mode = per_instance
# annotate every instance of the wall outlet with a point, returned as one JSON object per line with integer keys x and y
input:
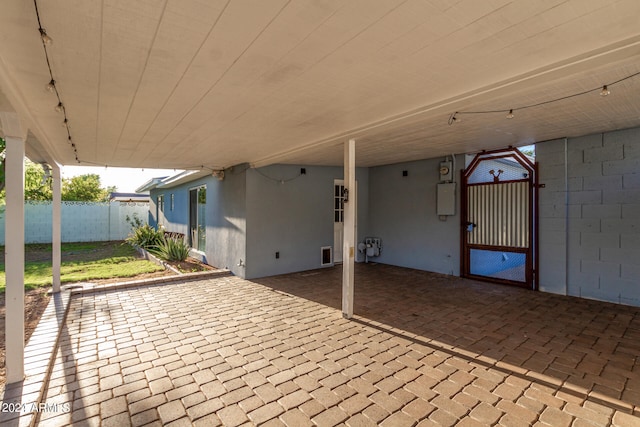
{"x": 277, "y": 255}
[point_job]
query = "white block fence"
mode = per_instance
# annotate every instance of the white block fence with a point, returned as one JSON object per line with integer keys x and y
{"x": 81, "y": 221}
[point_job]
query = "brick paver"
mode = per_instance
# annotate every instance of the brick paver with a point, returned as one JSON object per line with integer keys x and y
{"x": 423, "y": 349}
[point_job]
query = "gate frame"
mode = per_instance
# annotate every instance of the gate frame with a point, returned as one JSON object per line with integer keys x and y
{"x": 532, "y": 266}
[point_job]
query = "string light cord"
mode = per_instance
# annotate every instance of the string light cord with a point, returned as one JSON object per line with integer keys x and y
{"x": 60, "y": 107}
{"x": 453, "y": 117}
{"x": 281, "y": 181}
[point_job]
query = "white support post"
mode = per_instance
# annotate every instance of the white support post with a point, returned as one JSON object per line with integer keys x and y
{"x": 14, "y": 258}
{"x": 348, "y": 247}
{"x": 56, "y": 230}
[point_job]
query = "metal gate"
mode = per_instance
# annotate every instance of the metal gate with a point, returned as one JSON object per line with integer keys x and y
{"x": 499, "y": 218}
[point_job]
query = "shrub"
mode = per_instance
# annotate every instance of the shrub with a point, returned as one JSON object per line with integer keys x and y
{"x": 171, "y": 249}
{"x": 144, "y": 237}
{"x": 134, "y": 221}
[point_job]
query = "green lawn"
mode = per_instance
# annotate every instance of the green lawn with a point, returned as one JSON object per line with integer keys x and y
{"x": 81, "y": 262}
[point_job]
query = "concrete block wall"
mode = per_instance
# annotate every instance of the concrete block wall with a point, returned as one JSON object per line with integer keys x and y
{"x": 81, "y": 221}
{"x": 590, "y": 216}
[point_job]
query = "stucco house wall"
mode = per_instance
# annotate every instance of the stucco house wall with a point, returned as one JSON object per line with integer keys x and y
{"x": 403, "y": 213}
{"x": 589, "y": 216}
{"x": 225, "y": 217}
{"x": 292, "y": 214}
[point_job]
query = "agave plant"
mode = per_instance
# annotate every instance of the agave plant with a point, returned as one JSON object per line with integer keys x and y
{"x": 145, "y": 237}
{"x": 171, "y": 249}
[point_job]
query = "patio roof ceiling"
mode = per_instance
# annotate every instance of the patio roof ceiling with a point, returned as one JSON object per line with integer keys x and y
{"x": 184, "y": 84}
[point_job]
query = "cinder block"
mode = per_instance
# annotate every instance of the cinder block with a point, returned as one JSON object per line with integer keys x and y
{"x": 585, "y": 169}
{"x": 624, "y": 136}
{"x": 584, "y": 197}
{"x": 579, "y": 280}
{"x": 631, "y": 180}
{"x": 575, "y": 183}
{"x": 585, "y": 142}
{"x": 553, "y": 275}
{"x": 632, "y": 150}
{"x": 588, "y": 225}
{"x": 584, "y": 253}
{"x": 631, "y": 211}
{"x": 547, "y": 172}
{"x": 552, "y": 197}
{"x": 549, "y": 148}
{"x": 574, "y": 211}
{"x": 553, "y": 224}
{"x": 600, "y": 240}
{"x": 620, "y": 226}
{"x": 606, "y": 270}
{"x": 552, "y": 211}
{"x": 622, "y": 291}
{"x": 630, "y": 241}
{"x": 553, "y": 184}
{"x": 622, "y": 256}
{"x": 623, "y": 196}
{"x": 619, "y": 167}
{"x": 631, "y": 272}
{"x": 609, "y": 182}
{"x": 551, "y": 238}
{"x": 599, "y": 154}
{"x": 602, "y": 211}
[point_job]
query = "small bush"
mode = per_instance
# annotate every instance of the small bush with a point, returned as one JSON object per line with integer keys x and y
{"x": 145, "y": 237}
{"x": 134, "y": 221}
{"x": 171, "y": 249}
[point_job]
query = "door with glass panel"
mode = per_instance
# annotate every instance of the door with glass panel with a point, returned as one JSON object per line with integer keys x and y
{"x": 197, "y": 216}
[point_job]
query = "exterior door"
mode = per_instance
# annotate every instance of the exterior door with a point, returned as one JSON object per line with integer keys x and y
{"x": 338, "y": 220}
{"x": 338, "y": 217}
{"x": 498, "y": 218}
{"x": 197, "y": 225}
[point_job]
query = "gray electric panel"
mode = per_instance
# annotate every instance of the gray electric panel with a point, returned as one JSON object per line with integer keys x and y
{"x": 446, "y": 199}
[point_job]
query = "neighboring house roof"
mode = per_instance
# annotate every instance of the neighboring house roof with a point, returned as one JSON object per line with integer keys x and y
{"x": 128, "y": 197}
{"x": 173, "y": 181}
{"x": 149, "y": 185}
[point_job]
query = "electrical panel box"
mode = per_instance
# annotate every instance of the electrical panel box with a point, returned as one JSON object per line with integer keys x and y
{"x": 446, "y": 199}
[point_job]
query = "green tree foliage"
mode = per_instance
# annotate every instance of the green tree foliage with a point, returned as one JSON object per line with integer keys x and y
{"x": 85, "y": 188}
{"x": 37, "y": 184}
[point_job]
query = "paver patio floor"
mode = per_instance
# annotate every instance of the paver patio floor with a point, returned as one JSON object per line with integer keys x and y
{"x": 423, "y": 349}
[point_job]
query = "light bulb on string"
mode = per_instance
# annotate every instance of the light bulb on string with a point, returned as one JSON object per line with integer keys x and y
{"x": 605, "y": 91}
{"x": 45, "y": 37}
{"x": 59, "y": 107}
{"x": 510, "y": 115}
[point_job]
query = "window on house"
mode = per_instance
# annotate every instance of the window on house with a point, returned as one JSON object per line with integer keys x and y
{"x": 161, "y": 202}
